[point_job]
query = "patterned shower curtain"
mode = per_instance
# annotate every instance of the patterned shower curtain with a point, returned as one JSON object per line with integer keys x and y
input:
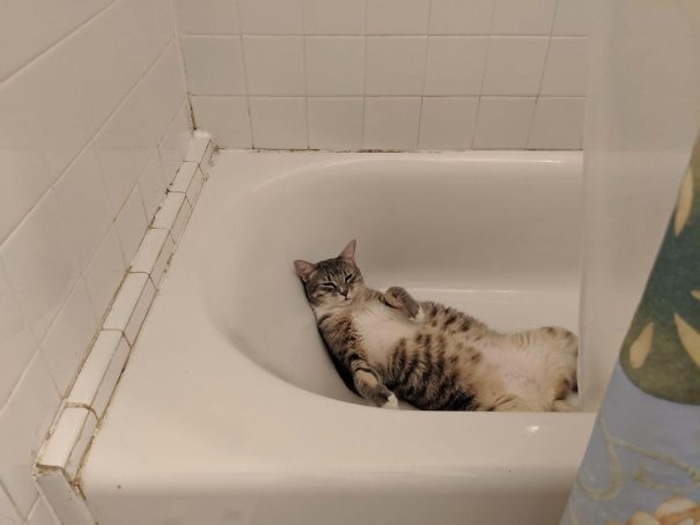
{"x": 642, "y": 465}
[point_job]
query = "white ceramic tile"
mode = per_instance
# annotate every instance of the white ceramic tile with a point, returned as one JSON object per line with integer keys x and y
{"x": 226, "y": 118}
{"x": 173, "y": 215}
{"x": 17, "y": 343}
{"x": 558, "y": 123}
{"x": 174, "y": 146}
{"x": 455, "y": 65}
{"x": 125, "y": 145}
{"x": 165, "y": 86}
{"x": 335, "y": 66}
{"x": 335, "y": 123}
{"x": 68, "y": 340}
{"x": 447, "y": 123}
{"x": 8, "y": 512}
{"x": 28, "y": 28}
{"x": 460, "y": 17}
{"x": 152, "y": 187}
{"x": 391, "y": 123}
{"x": 104, "y": 273}
{"x": 566, "y": 72}
{"x": 131, "y": 225}
{"x": 154, "y": 253}
{"x": 189, "y": 183}
{"x": 39, "y": 265}
{"x": 515, "y": 65}
{"x": 84, "y": 202}
{"x": 66, "y": 502}
{"x": 69, "y": 440}
{"x": 98, "y": 377}
{"x": 395, "y": 65}
{"x": 206, "y": 17}
{"x": 275, "y": 65}
{"x": 573, "y": 18}
{"x": 397, "y": 17}
{"x": 214, "y": 65}
{"x": 278, "y": 123}
{"x": 270, "y": 17}
{"x": 197, "y": 146}
{"x": 523, "y": 17}
{"x": 130, "y": 306}
{"x": 208, "y": 159}
{"x": 334, "y": 17}
{"x": 28, "y": 413}
{"x": 503, "y": 122}
{"x": 24, "y": 179}
{"x": 41, "y": 514}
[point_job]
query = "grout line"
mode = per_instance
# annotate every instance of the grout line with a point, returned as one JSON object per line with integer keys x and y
{"x": 245, "y": 74}
{"x": 56, "y": 43}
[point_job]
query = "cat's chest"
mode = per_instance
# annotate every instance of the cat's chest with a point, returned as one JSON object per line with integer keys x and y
{"x": 381, "y": 328}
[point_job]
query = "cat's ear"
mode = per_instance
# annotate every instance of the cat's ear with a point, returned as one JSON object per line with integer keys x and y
{"x": 348, "y": 252}
{"x": 304, "y": 269}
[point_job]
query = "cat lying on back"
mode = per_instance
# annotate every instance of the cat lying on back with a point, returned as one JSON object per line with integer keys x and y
{"x": 386, "y": 345}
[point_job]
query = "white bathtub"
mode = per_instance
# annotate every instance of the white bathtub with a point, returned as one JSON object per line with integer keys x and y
{"x": 230, "y": 411}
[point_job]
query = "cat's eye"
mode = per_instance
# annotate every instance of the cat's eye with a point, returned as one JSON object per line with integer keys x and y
{"x": 328, "y": 286}
{"x": 349, "y": 278}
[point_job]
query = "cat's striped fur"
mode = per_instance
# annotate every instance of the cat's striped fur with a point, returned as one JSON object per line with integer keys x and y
{"x": 435, "y": 357}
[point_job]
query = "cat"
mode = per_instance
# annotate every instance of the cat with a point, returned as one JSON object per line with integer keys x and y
{"x": 387, "y": 346}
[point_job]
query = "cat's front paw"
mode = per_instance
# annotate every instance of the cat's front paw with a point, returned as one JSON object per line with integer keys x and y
{"x": 391, "y": 402}
{"x": 418, "y": 317}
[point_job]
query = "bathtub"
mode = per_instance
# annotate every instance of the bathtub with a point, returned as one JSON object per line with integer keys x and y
{"x": 230, "y": 411}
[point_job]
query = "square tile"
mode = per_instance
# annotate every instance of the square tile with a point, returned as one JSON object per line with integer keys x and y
{"x": 515, "y": 65}
{"x": 154, "y": 254}
{"x": 67, "y": 342}
{"x": 335, "y": 66}
{"x": 104, "y": 273}
{"x": 16, "y": 339}
{"x": 69, "y": 440}
{"x": 275, "y": 65}
{"x": 152, "y": 187}
{"x": 39, "y": 265}
{"x": 335, "y": 123}
{"x": 566, "y": 72}
{"x": 455, "y": 65}
{"x": 28, "y": 413}
{"x": 131, "y": 225}
{"x": 460, "y": 17}
{"x": 397, "y": 17}
{"x": 558, "y": 123}
{"x": 24, "y": 179}
{"x": 84, "y": 202}
{"x": 334, "y": 17}
{"x": 279, "y": 123}
{"x": 523, "y": 17}
{"x": 573, "y": 18}
{"x": 447, "y": 123}
{"x": 395, "y": 65}
{"x": 189, "y": 181}
{"x": 270, "y": 17}
{"x": 67, "y": 503}
{"x": 503, "y": 122}
{"x": 214, "y": 65}
{"x": 391, "y": 123}
{"x": 226, "y": 118}
{"x": 130, "y": 306}
{"x": 173, "y": 215}
{"x": 206, "y": 17}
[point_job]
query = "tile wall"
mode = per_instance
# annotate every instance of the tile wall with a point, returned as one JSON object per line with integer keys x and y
{"x": 93, "y": 124}
{"x": 387, "y": 74}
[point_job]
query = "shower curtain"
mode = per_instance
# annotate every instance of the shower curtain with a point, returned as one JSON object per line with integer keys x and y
{"x": 642, "y": 465}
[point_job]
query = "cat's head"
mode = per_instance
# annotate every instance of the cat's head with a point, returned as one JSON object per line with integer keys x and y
{"x": 332, "y": 282}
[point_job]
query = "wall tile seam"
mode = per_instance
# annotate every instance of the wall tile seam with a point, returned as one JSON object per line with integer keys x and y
{"x": 56, "y": 43}
{"x": 89, "y": 143}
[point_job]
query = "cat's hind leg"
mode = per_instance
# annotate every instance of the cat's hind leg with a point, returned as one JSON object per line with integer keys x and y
{"x": 399, "y": 298}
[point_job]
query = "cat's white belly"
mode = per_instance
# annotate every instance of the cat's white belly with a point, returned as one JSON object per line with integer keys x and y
{"x": 381, "y": 328}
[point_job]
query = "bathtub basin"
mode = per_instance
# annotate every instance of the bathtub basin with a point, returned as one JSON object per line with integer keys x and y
{"x": 230, "y": 412}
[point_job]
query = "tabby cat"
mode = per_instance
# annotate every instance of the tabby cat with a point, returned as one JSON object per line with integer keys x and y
{"x": 386, "y": 345}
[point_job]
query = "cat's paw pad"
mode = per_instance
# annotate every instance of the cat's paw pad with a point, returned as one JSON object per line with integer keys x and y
{"x": 391, "y": 402}
{"x": 419, "y": 316}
